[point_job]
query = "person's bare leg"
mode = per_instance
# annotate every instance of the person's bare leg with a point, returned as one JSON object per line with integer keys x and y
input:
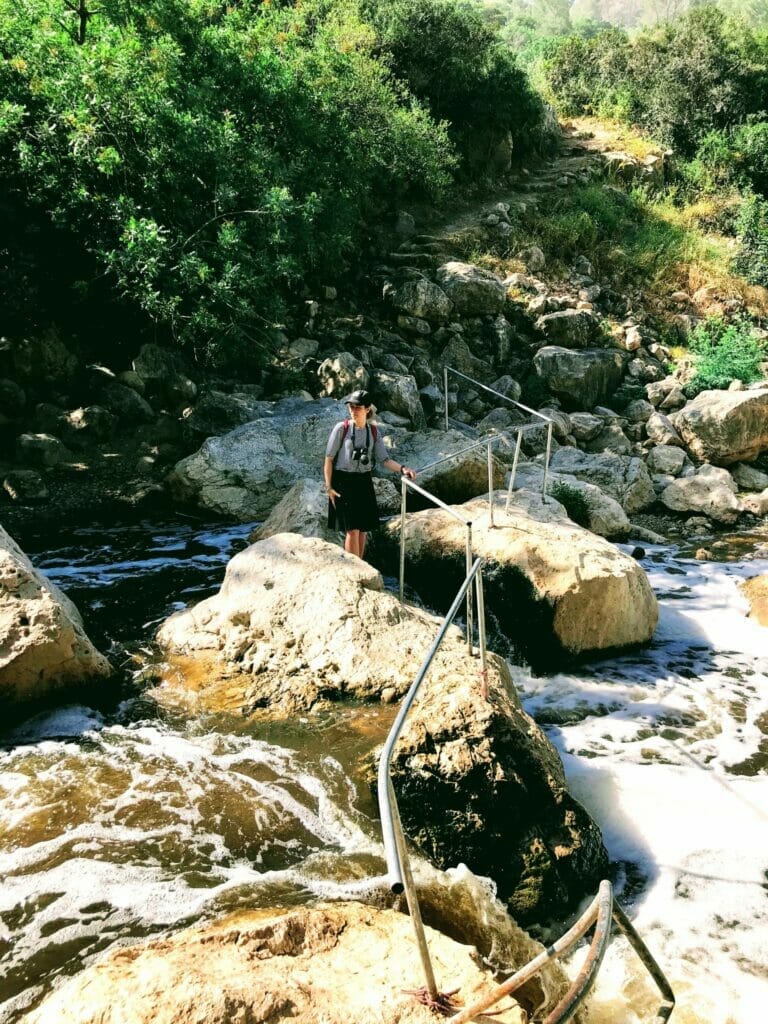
{"x": 361, "y": 544}
{"x": 352, "y": 542}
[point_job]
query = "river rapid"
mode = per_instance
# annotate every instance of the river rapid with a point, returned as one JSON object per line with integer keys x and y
{"x": 119, "y": 820}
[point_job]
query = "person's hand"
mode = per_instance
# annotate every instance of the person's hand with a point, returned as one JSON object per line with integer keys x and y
{"x": 333, "y": 495}
{"x": 410, "y": 473}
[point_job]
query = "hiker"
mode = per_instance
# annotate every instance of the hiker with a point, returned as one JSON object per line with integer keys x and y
{"x": 353, "y": 447}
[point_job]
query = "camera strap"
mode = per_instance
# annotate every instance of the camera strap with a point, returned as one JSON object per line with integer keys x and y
{"x": 369, "y": 429}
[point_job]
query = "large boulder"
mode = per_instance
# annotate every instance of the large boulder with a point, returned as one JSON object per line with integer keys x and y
{"x": 557, "y": 591}
{"x": 43, "y": 645}
{"x": 569, "y": 328}
{"x": 421, "y": 298}
{"x": 755, "y": 590}
{"x": 217, "y": 412}
{"x": 479, "y": 783}
{"x": 623, "y": 477}
{"x": 709, "y": 491}
{"x": 342, "y": 374}
{"x": 326, "y": 964}
{"x": 298, "y": 621}
{"x": 581, "y": 379}
{"x": 472, "y": 290}
{"x": 304, "y": 510}
{"x": 445, "y": 468}
{"x": 604, "y": 515}
{"x": 723, "y": 427}
{"x": 246, "y": 472}
{"x": 399, "y": 393}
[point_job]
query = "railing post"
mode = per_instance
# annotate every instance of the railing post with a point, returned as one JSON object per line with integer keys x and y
{"x": 490, "y": 483}
{"x": 470, "y": 629}
{"x": 402, "y": 537}
{"x": 410, "y": 895}
{"x": 445, "y": 382}
{"x": 546, "y": 460}
{"x": 481, "y": 632}
{"x": 514, "y": 468}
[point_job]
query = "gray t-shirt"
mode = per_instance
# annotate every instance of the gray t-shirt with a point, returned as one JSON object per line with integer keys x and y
{"x": 356, "y": 437}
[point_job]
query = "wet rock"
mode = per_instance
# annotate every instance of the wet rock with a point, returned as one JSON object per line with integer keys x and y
{"x": 327, "y": 964}
{"x": 44, "y": 646}
{"x": 558, "y": 591}
{"x": 723, "y": 427}
{"x": 298, "y": 621}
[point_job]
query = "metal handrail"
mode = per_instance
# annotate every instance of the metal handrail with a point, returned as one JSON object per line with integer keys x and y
{"x": 602, "y": 912}
{"x": 398, "y": 864}
{"x": 520, "y": 430}
{"x": 405, "y": 484}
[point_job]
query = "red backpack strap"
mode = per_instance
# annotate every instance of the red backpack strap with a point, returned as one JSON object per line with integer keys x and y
{"x": 375, "y": 432}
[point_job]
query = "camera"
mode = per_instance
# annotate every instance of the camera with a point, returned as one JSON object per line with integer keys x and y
{"x": 360, "y": 455}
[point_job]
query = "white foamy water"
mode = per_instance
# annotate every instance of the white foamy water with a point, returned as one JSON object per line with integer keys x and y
{"x": 114, "y": 832}
{"x": 663, "y": 748}
{"x": 115, "y": 825}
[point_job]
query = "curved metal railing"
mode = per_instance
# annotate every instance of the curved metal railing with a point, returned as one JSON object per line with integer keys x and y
{"x": 602, "y": 912}
{"x": 520, "y": 430}
{"x": 398, "y": 865}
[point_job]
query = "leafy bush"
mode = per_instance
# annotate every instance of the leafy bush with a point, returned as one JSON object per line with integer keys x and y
{"x": 724, "y": 352}
{"x": 574, "y": 501}
{"x": 680, "y": 80}
{"x": 198, "y": 158}
{"x": 456, "y": 64}
{"x": 751, "y": 260}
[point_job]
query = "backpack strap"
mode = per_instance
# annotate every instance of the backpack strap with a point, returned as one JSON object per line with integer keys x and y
{"x": 343, "y": 436}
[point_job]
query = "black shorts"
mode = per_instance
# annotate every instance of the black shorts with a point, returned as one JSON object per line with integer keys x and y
{"x": 356, "y": 507}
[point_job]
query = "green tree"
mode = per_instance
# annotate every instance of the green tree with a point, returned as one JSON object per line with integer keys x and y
{"x": 198, "y": 159}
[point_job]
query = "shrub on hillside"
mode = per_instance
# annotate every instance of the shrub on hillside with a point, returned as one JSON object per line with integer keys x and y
{"x": 678, "y": 80}
{"x": 724, "y": 352}
{"x": 751, "y": 260}
{"x": 456, "y": 64}
{"x": 201, "y": 157}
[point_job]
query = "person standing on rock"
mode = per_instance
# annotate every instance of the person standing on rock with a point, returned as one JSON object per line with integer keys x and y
{"x": 353, "y": 447}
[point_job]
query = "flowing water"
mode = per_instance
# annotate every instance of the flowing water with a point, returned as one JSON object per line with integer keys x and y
{"x": 119, "y": 821}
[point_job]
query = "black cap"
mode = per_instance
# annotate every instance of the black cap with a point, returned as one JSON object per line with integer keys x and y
{"x": 359, "y": 397}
